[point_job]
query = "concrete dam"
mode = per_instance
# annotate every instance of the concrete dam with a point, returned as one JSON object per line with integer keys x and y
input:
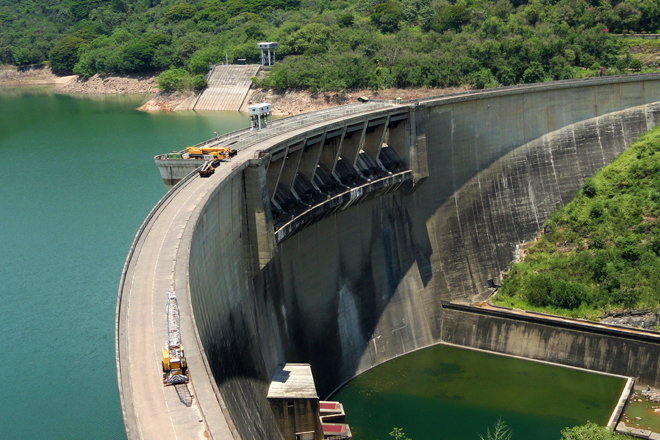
{"x": 348, "y": 237}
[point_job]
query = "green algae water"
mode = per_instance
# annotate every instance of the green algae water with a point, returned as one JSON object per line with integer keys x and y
{"x": 449, "y": 393}
{"x": 77, "y": 179}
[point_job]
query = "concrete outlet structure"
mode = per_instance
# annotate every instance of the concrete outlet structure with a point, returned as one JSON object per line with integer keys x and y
{"x": 359, "y": 234}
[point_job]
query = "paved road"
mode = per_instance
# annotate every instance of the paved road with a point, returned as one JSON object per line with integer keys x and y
{"x": 160, "y": 412}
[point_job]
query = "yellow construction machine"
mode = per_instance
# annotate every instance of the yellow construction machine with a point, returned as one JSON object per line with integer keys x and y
{"x": 175, "y": 367}
{"x": 212, "y": 155}
{"x": 217, "y": 153}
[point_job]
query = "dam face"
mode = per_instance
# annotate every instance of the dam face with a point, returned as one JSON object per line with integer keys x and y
{"x": 365, "y": 284}
{"x": 361, "y": 276}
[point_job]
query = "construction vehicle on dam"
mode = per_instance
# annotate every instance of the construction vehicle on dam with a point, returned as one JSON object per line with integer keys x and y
{"x": 212, "y": 155}
{"x": 175, "y": 367}
{"x": 209, "y": 153}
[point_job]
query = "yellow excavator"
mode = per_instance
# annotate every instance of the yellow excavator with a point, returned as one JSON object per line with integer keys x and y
{"x": 213, "y": 155}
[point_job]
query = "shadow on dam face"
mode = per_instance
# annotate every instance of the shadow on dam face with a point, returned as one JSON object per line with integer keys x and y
{"x": 366, "y": 283}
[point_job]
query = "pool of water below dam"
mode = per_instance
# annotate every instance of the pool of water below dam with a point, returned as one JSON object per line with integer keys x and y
{"x": 449, "y": 393}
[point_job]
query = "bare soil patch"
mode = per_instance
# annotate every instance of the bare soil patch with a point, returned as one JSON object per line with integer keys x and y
{"x": 294, "y": 102}
{"x": 109, "y": 85}
{"x": 13, "y": 76}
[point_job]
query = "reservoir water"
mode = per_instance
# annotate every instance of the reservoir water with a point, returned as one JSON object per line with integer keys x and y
{"x": 451, "y": 393}
{"x": 77, "y": 179}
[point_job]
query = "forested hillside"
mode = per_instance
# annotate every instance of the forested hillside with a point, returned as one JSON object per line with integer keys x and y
{"x": 332, "y": 45}
{"x": 601, "y": 252}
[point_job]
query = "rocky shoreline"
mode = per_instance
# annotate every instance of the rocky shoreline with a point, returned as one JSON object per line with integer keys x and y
{"x": 111, "y": 85}
{"x": 289, "y": 102}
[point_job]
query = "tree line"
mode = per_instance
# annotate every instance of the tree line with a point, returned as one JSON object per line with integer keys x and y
{"x": 331, "y": 45}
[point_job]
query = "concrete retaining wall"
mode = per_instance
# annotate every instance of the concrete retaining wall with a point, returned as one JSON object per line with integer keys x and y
{"x": 564, "y": 342}
{"x": 366, "y": 284}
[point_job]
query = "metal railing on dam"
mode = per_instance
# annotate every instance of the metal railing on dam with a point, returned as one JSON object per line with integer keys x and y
{"x": 335, "y": 242}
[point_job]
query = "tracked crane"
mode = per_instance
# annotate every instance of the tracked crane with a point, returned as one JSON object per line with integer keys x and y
{"x": 175, "y": 368}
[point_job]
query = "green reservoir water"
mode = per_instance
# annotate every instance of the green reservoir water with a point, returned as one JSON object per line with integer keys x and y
{"x": 449, "y": 393}
{"x": 77, "y": 179}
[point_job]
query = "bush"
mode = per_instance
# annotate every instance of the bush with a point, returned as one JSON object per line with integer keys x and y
{"x": 198, "y": 82}
{"x": 589, "y": 188}
{"x": 621, "y": 64}
{"x": 596, "y": 243}
{"x": 590, "y": 431}
{"x": 482, "y": 79}
{"x": 345, "y": 20}
{"x": 534, "y": 73}
{"x": 173, "y": 79}
{"x": 636, "y": 64}
{"x": 200, "y": 60}
{"x": 543, "y": 290}
{"x": 631, "y": 253}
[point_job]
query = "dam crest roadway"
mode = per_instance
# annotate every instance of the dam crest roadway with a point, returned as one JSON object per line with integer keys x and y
{"x": 347, "y": 237}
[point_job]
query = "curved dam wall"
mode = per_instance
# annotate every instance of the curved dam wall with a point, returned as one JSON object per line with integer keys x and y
{"x": 366, "y": 283}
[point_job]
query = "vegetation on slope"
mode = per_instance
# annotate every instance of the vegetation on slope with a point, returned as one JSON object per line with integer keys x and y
{"x": 331, "y": 44}
{"x": 601, "y": 252}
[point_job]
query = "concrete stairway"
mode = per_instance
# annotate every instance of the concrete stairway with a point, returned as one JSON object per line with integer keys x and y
{"x": 228, "y": 86}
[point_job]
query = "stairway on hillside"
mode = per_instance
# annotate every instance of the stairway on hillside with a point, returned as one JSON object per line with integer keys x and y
{"x": 227, "y": 89}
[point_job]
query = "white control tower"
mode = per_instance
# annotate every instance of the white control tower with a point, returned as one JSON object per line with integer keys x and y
{"x": 261, "y": 116}
{"x": 266, "y": 59}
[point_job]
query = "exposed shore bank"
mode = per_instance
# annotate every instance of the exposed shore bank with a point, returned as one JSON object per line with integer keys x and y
{"x": 11, "y": 76}
{"x": 287, "y": 103}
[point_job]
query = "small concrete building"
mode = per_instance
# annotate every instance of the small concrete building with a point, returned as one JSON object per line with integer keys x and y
{"x": 293, "y": 399}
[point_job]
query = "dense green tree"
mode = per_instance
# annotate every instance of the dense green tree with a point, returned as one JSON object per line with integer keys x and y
{"x": 200, "y": 60}
{"x": 450, "y": 17}
{"x": 345, "y": 20}
{"x": 386, "y": 16}
{"x": 64, "y": 56}
{"x": 534, "y": 73}
{"x": 180, "y": 12}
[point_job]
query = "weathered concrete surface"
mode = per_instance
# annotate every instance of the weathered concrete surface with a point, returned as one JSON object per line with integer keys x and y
{"x": 562, "y": 341}
{"x": 227, "y": 89}
{"x": 365, "y": 284}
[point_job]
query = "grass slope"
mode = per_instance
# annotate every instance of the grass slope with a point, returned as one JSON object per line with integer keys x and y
{"x": 601, "y": 252}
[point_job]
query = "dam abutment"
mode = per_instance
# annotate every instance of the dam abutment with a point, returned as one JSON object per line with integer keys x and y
{"x": 341, "y": 243}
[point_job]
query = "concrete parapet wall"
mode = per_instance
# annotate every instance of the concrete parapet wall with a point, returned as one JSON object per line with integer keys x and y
{"x": 366, "y": 283}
